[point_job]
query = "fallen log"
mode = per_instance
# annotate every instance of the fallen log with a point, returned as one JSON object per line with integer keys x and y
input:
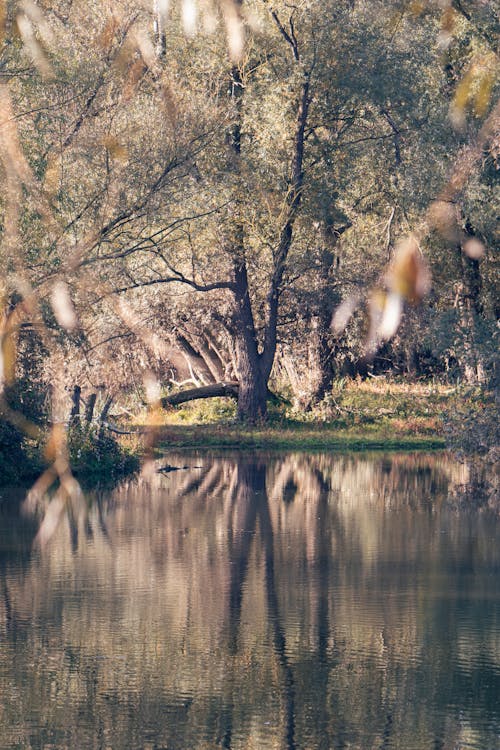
{"x": 212, "y": 390}
{"x": 205, "y": 391}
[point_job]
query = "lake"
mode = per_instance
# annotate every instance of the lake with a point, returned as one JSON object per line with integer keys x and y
{"x": 255, "y": 600}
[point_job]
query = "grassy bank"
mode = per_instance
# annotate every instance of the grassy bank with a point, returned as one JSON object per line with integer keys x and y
{"x": 374, "y": 414}
{"x": 290, "y": 436}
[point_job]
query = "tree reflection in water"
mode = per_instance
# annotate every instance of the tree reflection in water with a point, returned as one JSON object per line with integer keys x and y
{"x": 294, "y": 601}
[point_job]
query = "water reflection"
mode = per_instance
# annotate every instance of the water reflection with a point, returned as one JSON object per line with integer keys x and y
{"x": 298, "y": 601}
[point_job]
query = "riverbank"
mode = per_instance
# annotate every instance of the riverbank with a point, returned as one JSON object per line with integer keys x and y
{"x": 291, "y": 436}
{"x": 376, "y": 414}
{"x": 369, "y": 415}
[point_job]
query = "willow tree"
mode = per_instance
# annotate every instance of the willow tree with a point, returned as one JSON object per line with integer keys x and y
{"x": 245, "y": 187}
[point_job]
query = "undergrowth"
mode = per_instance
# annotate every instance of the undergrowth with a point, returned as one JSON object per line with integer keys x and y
{"x": 94, "y": 452}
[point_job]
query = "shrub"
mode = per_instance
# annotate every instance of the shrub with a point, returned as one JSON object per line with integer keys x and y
{"x": 13, "y": 456}
{"x": 92, "y": 451}
{"x": 473, "y": 425}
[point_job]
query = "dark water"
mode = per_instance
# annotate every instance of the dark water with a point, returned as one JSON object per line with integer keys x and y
{"x": 255, "y": 601}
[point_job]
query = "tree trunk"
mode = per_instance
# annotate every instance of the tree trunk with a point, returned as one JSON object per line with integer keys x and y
{"x": 322, "y": 352}
{"x": 252, "y": 397}
{"x": 470, "y": 313}
{"x": 252, "y": 394}
{"x": 104, "y": 416}
{"x": 255, "y": 354}
{"x": 75, "y": 409}
{"x": 89, "y": 408}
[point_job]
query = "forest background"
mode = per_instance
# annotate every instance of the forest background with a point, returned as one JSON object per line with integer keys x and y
{"x": 243, "y": 199}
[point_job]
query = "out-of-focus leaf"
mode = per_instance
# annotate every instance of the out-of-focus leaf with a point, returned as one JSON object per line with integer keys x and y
{"x": 209, "y": 17}
{"x": 391, "y": 316}
{"x": 8, "y": 351}
{"x": 63, "y": 306}
{"x": 33, "y": 46}
{"x": 105, "y": 38}
{"x": 34, "y": 13}
{"x": 473, "y": 248}
{"x": 409, "y": 275}
{"x": 417, "y": 7}
{"x": 134, "y": 75}
{"x": 189, "y": 17}
{"x": 125, "y": 56}
{"x": 234, "y": 29}
{"x": 52, "y": 176}
{"x": 145, "y": 47}
{"x": 2, "y": 22}
{"x": 463, "y": 91}
{"x": 442, "y": 217}
{"x": 162, "y": 7}
{"x": 343, "y": 314}
{"x": 56, "y": 442}
{"x": 169, "y": 102}
{"x": 445, "y": 36}
{"x": 152, "y": 387}
{"x": 482, "y": 97}
{"x": 376, "y": 304}
{"x": 51, "y": 520}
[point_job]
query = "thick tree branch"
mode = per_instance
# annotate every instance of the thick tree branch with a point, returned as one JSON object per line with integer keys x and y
{"x": 205, "y": 391}
{"x": 293, "y": 201}
{"x": 180, "y": 279}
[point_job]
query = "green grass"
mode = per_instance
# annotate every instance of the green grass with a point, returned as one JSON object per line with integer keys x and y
{"x": 290, "y": 436}
{"x": 372, "y": 415}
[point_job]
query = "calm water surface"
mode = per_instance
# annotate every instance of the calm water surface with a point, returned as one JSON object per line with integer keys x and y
{"x": 313, "y": 602}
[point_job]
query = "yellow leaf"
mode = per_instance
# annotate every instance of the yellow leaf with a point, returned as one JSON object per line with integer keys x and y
{"x": 463, "y": 92}
{"x": 409, "y": 275}
{"x": 482, "y": 96}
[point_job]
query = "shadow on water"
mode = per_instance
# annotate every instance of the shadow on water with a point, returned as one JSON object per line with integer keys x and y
{"x": 253, "y": 600}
